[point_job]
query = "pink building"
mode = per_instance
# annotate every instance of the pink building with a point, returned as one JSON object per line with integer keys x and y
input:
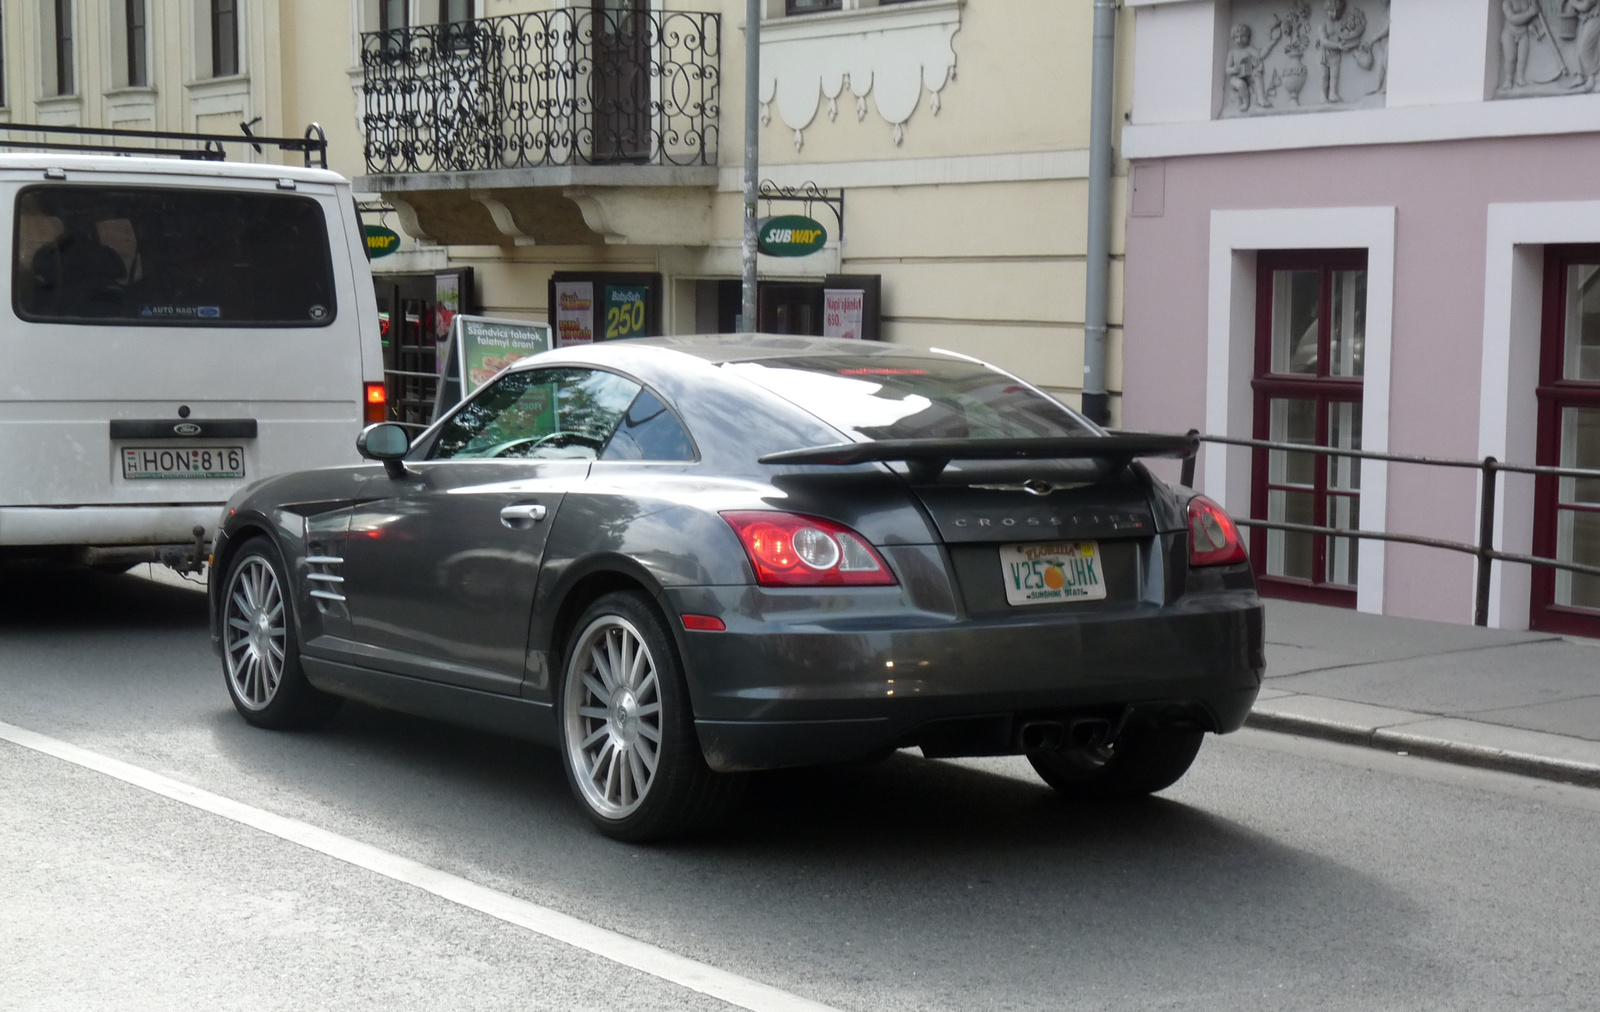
{"x": 1376, "y": 229}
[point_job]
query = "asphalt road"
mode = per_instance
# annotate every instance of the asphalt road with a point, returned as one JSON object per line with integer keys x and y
{"x": 1280, "y": 874}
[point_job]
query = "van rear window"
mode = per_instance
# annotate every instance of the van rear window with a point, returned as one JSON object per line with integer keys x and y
{"x": 136, "y": 256}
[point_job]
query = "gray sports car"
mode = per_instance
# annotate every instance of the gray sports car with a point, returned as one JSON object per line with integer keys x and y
{"x": 681, "y": 559}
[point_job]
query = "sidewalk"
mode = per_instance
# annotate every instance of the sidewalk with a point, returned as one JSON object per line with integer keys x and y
{"x": 1522, "y": 702}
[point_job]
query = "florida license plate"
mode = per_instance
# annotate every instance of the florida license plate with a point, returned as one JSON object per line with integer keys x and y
{"x": 1050, "y": 572}
{"x": 182, "y": 462}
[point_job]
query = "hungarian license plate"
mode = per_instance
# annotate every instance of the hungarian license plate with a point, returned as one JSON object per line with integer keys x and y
{"x": 1049, "y": 572}
{"x": 183, "y": 462}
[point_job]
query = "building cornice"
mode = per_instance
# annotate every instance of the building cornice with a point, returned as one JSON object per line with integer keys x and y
{"x": 1529, "y": 117}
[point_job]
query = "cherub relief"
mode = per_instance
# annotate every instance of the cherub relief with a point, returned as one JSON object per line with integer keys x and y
{"x": 1246, "y": 68}
{"x": 1340, "y": 35}
{"x": 1520, "y": 27}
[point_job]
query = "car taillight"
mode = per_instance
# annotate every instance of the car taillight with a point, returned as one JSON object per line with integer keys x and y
{"x": 1213, "y": 538}
{"x": 377, "y": 403}
{"x": 789, "y": 550}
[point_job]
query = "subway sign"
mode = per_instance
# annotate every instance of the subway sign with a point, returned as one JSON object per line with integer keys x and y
{"x": 790, "y": 235}
{"x": 381, "y": 241}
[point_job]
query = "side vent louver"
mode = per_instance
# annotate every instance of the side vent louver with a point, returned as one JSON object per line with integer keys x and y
{"x": 325, "y": 579}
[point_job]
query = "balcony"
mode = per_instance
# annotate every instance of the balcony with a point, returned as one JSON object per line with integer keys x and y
{"x": 524, "y": 127}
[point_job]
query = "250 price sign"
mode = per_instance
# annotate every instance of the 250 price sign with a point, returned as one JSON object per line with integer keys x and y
{"x": 625, "y": 312}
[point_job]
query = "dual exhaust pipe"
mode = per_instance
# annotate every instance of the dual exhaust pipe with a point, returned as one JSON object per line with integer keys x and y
{"x": 1049, "y": 735}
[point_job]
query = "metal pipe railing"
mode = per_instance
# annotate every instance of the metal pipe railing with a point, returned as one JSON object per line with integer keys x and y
{"x": 1489, "y": 470}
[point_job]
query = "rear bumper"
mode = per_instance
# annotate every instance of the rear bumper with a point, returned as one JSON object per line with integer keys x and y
{"x": 798, "y": 688}
{"x": 107, "y": 525}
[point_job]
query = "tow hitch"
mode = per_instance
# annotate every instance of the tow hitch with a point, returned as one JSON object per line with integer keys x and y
{"x": 186, "y": 559}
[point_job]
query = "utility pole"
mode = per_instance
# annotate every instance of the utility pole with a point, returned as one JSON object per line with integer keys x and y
{"x": 752, "y": 155}
{"x": 1096, "y": 315}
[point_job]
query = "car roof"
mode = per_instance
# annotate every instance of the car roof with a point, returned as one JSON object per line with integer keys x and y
{"x": 734, "y": 421}
{"x": 40, "y": 160}
{"x": 720, "y": 349}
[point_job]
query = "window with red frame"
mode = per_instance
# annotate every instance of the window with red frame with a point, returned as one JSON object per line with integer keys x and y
{"x": 1311, "y": 312}
{"x": 1567, "y": 510}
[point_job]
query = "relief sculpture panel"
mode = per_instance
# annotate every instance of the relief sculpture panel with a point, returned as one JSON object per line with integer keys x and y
{"x": 1547, "y": 47}
{"x": 1289, "y": 56}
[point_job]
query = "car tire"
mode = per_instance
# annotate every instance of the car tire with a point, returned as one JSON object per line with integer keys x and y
{"x": 261, "y": 645}
{"x": 626, "y": 726}
{"x": 1144, "y": 759}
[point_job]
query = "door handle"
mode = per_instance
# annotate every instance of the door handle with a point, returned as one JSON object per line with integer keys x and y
{"x": 523, "y": 516}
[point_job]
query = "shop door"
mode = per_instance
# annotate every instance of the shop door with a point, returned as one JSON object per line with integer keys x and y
{"x": 790, "y": 309}
{"x": 1310, "y": 344}
{"x": 415, "y": 311}
{"x": 621, "y": 80}
{"x": 1567, "y": 510}
{"x": 410, "y": 367}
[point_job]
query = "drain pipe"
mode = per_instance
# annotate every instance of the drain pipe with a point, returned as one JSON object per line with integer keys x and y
{"x": 1096, "y": 314}
{"x": 752, "y": 158}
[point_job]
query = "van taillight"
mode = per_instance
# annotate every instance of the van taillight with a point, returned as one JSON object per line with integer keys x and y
{"x": 377, "y": 403}
{"x": 1213, "y": 539}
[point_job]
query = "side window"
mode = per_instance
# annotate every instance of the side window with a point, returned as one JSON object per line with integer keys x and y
{"x": 649, "y": 431}
{"x": 541, "y": 414}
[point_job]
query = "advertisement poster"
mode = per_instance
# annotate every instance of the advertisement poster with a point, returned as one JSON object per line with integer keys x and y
{"x": 574, "y": 313}
{"x": 841, "y": 312}
{"x": 536, "y": 410}
{"x": 485, "y": 346}
{"x": 625, "y": 315}
{"x": 447, "y": 302}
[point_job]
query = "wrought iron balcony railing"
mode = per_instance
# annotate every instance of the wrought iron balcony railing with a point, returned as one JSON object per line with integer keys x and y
{"x": 571, "y": 86}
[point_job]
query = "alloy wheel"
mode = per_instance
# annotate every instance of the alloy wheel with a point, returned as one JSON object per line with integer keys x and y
{"x": 254, "y": 633}
{"x": 612, "y": 704}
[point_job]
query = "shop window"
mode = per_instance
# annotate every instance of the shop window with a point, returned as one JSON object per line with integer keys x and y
{"x": 1567, "y": 510}
{"x": 1310, "y": 343}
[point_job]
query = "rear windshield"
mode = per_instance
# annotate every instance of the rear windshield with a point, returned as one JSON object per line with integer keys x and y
{"x": 171, "y": 257}
{"x": 913, "y": 398}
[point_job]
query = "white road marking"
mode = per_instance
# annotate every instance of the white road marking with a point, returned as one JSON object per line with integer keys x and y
{"x": 693, "y": 974}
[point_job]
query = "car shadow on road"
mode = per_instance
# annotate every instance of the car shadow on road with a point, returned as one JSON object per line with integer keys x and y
{"x": 965, "y": 873}
{"x": 55, "y": 595}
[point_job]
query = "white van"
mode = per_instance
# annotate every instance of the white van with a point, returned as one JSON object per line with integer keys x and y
{"x": 171, "y": 331}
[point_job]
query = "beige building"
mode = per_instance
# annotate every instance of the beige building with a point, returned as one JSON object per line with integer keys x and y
{"x": 601, "y": 141}
{"x": 181, "y": 65}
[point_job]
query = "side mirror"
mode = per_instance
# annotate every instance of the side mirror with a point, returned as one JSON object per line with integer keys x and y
{"x": 387, "y": 442}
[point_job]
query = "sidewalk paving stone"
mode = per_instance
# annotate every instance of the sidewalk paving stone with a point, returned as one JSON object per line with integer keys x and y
{"x": 1339, "y": 712}
{"x": 1492, "y": 677}
{"x": 1576, "y": 718}
{"x": 1524, "y": 702}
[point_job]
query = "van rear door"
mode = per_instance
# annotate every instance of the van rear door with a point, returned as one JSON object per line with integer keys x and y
{"x": 173, "y": 336}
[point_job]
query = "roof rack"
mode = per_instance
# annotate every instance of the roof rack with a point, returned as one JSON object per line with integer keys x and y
{"x": 314, "y": 143}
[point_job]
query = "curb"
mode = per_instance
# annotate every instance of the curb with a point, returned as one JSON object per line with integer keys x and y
{"x": 1520, "y": 763}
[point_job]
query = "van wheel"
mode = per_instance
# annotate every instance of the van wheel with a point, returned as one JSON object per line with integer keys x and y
{"x": 261, "y": 646}
{"x": 1144, "y": 759}
{"x": 628, "y": 742}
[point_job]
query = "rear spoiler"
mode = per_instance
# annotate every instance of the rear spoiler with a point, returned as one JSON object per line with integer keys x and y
{"x": 927, "y": 458}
